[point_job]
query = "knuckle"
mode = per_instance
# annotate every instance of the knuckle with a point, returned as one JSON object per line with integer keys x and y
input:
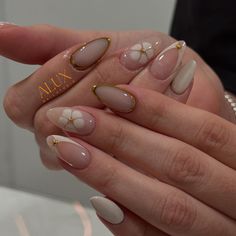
{"x": 100, "y": 75}
{"x": 183, "y": 166}
{"x": 177, "y": 211}
{"x": 158, "y": 111}
{"x": 117, "y": 138}
{"x": 108, "y": 180}
{"x": 12, "y": 106}
{"x": 213, "y": 135}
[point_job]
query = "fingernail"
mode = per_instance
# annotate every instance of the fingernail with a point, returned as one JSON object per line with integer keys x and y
{"x": 68, "y": 151}
{"x": 168, "y": 61}
{"x": 184, "y": 77}
{"x": 138, "y": 55}
{"x": 107, "y": 210}
{"x": 90, "y": 53}
{"x": 72, "y": 120}
{"x": 115, "y": 98}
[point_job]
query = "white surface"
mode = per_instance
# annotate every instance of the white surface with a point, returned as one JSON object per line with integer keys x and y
{"x": 24, "y": 214}
{"x": 20, "y": 166}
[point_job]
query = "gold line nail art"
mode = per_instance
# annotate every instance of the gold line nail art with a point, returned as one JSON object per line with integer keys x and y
{"x": 76, "y": 57}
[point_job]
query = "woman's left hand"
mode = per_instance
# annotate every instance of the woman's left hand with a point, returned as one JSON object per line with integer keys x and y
{"x": 169, "y": 166}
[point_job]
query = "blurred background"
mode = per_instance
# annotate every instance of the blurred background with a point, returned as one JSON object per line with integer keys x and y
{"x": 20, "y": 166}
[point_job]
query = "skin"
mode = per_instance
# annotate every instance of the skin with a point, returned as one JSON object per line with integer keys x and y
{"x": 46, "y": 42}
{"x": 181, "y": 178}
{"x": 196, "y": 195}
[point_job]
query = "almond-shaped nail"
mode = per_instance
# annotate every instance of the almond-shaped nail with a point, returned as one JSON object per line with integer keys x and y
{"x": 107, "y": 209}
{"x": 139, "y": 54}
{"x": 68, "y": 151}
{"x": 115, "y": 98}
{"x": 90, "y": 53}
{"x": 184, "y": 77}
{"x": 168, "y": 60}
{"x": 72, "y": 120}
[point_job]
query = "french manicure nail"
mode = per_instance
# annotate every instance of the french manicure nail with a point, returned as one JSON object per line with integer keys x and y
{"x": 107, "y": 210}
{"x": 72, "y": 120}
{"x": 90, "y": 53}
{"x": 184, "y": 77}
{"x": 68, "y": 151}
{"x": 168, "y": 61}
{"x": 138, "y": 55}
{"x": 115, "y": 98}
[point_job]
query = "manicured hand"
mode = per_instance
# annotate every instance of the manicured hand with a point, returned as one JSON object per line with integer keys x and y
{"x": 74, "y": 61}
{"x": 168, "y": 168}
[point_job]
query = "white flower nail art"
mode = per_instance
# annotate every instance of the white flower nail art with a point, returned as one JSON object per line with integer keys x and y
{"x": 142, "y": 52}
{"x": 71, "y": 119}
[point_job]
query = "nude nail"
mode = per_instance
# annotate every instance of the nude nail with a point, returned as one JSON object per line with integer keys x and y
{"x": 184, "y": 77}
{"x": 90, "y": 53}
{"x": 139, "y": 54}
{"x": 72, "y": 120}
{"x": 68, "y": 151}
{"x": 107, "y": 210}
{"x": 115, "y": 98}
{"x": 168, "y": 61}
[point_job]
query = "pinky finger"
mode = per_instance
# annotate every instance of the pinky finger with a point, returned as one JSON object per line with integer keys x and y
{"x": 122, "y": 222}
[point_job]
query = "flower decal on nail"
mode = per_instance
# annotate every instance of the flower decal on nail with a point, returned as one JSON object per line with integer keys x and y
{"x": 142, "y": 52}
{"x": 71, "y": 119}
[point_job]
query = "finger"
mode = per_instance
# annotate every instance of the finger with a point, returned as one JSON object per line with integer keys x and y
{"x": 159, "y": 73}
{"x": 121, "y": 221}
{"x": 64, "y": 71}
{"x": 206, "y": 131}
{"x": 57, "y": 75}
{"x": 42, "y": 42}
{"x": 166, "y": 208}
{"x": 167, "y": 159}
{"x": 45, "y": 81}
{"x": 103, "y": 72}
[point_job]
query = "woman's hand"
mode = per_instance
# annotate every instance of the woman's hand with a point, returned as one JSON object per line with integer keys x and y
{"x": 26, "y": 103}
{"x": 169, "y": 166}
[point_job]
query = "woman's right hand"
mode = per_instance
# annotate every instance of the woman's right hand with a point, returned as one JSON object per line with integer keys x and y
{"x": 58, "y": 83}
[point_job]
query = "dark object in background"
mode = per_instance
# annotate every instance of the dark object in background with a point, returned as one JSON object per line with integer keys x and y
{"x": 209, "y": 27}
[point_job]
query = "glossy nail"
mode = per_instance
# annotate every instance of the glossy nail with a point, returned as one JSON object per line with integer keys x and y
{"x": 115, "y": 98}
{"x": 90, "y": 53}
{"x": 138, "y": 55}
{"x": 184, "y": 77}
{"x": 168, "y": 61}
{"x": 68, "y": 151}
{"x": 72, "y": 120}
{"x": 107, "y": 210}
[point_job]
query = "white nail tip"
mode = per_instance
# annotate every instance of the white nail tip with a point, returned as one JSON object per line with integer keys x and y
{"x": 184, "y": 77}
{"x": 175, "y": 45}
{"x": 107, "y": 210}
{"x": 57, "y": 138}
{"x": 181, "y": 51}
